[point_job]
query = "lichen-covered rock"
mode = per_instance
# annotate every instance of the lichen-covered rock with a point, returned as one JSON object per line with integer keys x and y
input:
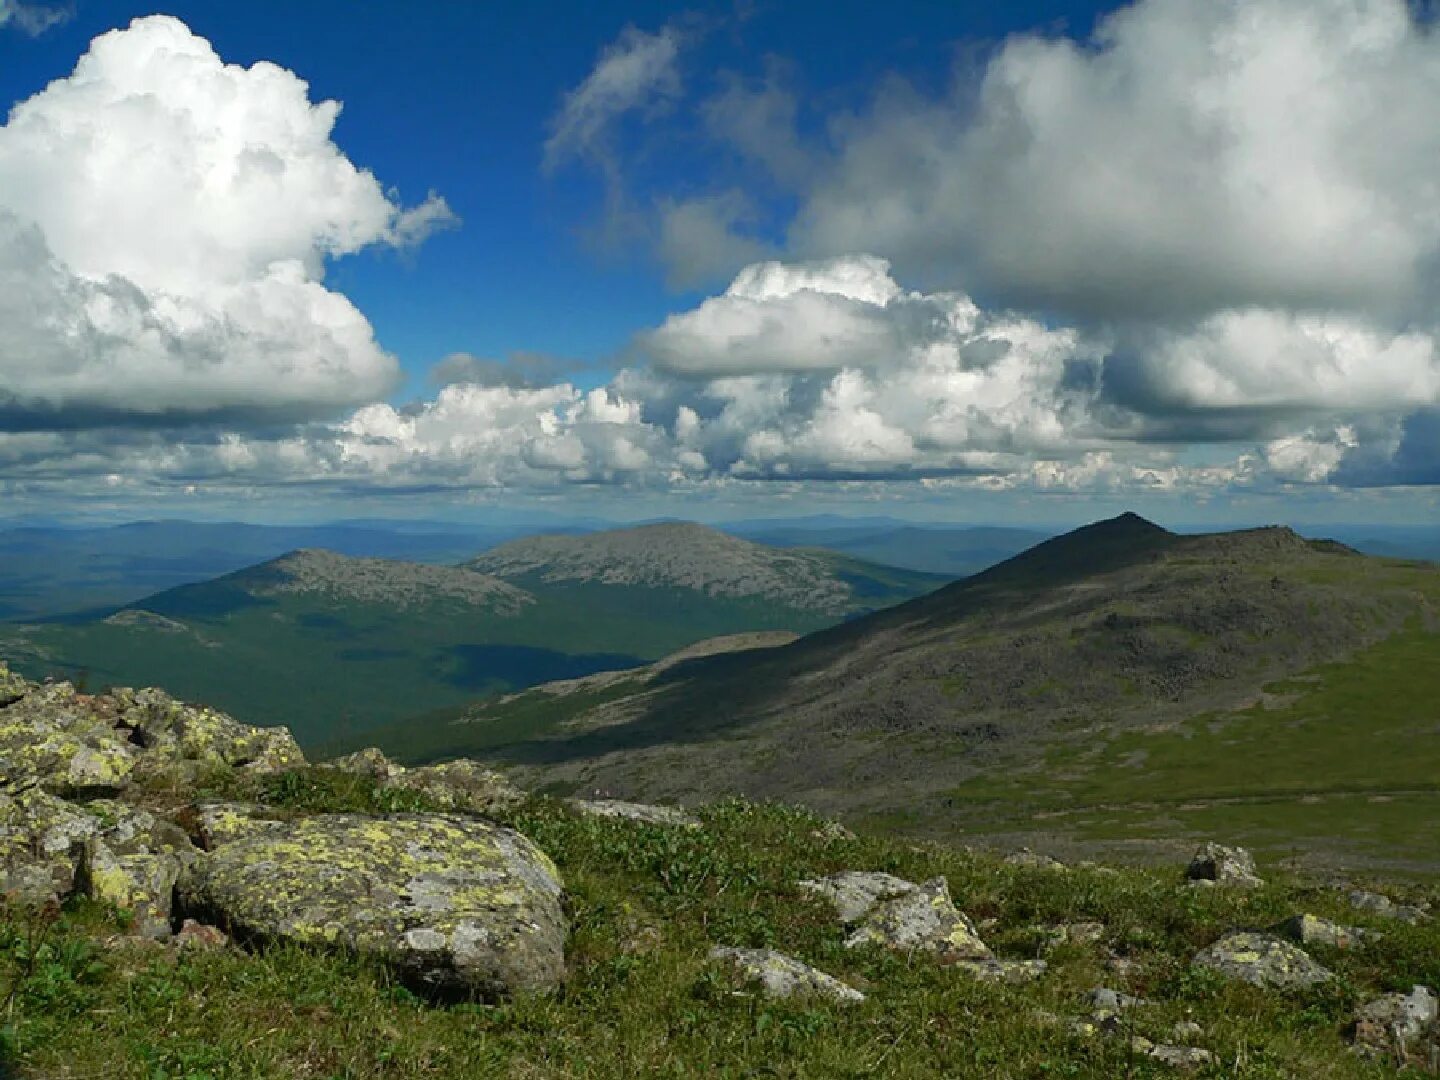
{"x": 12, "y": 686}
{"x": 55, "y": 737}
{"x": 1224, "y": 866}
{"x": 134, "y": 862}
{"x": 782, "y": 976}
{"x": 855, "y": 892}
{"x": 173, "y": 732}
{"x": 1381, "y": 905}
{"x": 648, "y": 813}
{"x": 924, "y": 919}
{"x": 1262, "y": 960}
{"x": 1179, "y": 1057}
{"x": 1103, "y": 997}
{"x": 1033, "y": 860}
{"x": 370, "y": 762}
{"x": 455, "y": 904}
{"x": 42, "y": 842}
{"x": 1313, "y": 930}
{"x": 223, "y": 822}
{"x": 461, "y": 785}
{"x": 1394, "y": 1021}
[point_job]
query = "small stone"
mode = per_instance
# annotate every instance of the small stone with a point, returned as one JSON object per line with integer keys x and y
{"x": 1385, "y": 908}
{"x": 200, "y": 936}
{"x": 1102, "y": 997}
{"x": 1224, "y": 866}
{"x": 1033, "y": 860}
{"x": 922, "y": 920}
{"x": 1180, "y": 1057}
{"x": 781, "y": 976}
{"x": 1187, "y": 1029}
{"x": 1313, "y": 930}
{"x": 643, "y": 812}
{"x": 832, "y": 832}
{"x": 1076, "y": 933}
{"x": 1262, "y": 960}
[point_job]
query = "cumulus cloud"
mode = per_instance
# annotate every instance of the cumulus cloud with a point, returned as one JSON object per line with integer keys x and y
{"x": 519, "y": 371}
{"x": 164, "y": 224}
{"x": 1194, "y": 157}
{"x": 32, "y": 19}
{"x": 703, "y": 239}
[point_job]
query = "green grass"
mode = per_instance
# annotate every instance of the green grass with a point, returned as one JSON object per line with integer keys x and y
{"x": 642, "y": 1000}
{"x": 1346, "y": 755}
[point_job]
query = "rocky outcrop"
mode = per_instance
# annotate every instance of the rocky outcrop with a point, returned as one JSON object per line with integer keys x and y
{"x": 1382, "y": 906}
{"x": 42, "y": 843}
{"x": 1262, "y": 960}
{"x": 455, "y": 904}
{"x": 647, "y": 813}
{"x": 134, "y": 862}
{"x": 1233, "y": 866}
{"x": 781, "y": 976}
{"x": 185, "y": 738}
{"x": 460, "y": 785}
{"x": 62, "y": 741}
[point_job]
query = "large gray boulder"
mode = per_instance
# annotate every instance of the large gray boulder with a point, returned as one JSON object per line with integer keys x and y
{"x": 42, "y": 844}
{"x": 56, "y": 738}
{"x": 1262, "y": 960}
{"x": 457, "y": 905}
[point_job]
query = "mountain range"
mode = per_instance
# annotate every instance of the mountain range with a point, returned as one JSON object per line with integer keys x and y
{"x": 331, "y": 644}
{"x": 1118, "y": 665}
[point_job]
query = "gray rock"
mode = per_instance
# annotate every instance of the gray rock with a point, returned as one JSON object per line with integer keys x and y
{"x": 42, "y": 844}
{"x": 1313, "y": 930}
{"x": 1033, "y": 860}
{"x": 1179, "y": 1057}
{"x": 782, "y": 976}
{"x": 370, "y": 762}
{"x": 182, "y": 740}
{"x": 1224, "y": 866}
{"x": 925, "y": 920}
{"x": 1262, "y": 960}
{"x": 855, "y": 892}
{"x": 1102, "y": 997}
{"x": 58, "y": 739}
{"x": 454, "y": 903}
{"x": 460, "y": 785}
{"x": 1382, "y": 906}
{"x": 1397, "y": 1020}
{"x": 1187, "y": 1029}
{"x": 223, "y": 822}
{"x": 631, "y": 811}
{"x": 134, "y": 862}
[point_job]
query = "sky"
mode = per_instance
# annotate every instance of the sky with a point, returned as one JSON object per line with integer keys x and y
{"x": 1028, "y": 262}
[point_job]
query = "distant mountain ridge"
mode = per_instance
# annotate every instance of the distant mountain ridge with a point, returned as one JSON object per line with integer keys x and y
{"x": 679, "y": 555}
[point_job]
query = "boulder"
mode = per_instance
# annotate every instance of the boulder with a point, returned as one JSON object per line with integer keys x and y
{"x": 54, "y": 737}
{"x": 460, "y": 785}
{"x": 781, "y": 976}
{"x": 42, "y": 843}
{"x": 923, "y": 919}
{"x": 12, "y": 686}
{"x": 455, "y": 904}
{"x": 1262, "y": 960}
{"x": 1313, "y": 930}
{"x": 177, "y": 735}
{"x": 854, "y": 892}
{"x": 219, "y": 823}
{"x": 369, "y": 762}
{"x": 1224, "y": 866}
{"x": 631, "y": 811}
{"x": 1395, "y": 1021}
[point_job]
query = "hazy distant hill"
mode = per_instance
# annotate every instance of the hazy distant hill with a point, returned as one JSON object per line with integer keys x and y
{"x": 1059, "y": 672}
{"x": 937, "y": 549}
{"x": 330, "y": 644}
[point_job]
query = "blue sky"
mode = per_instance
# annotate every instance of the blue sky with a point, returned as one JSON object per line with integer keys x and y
{"x": 945, "y": 260}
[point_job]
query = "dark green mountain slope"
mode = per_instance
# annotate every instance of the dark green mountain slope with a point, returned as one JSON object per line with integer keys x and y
{"x": 331, "y": 645}
{"x": 1037, "y": 671}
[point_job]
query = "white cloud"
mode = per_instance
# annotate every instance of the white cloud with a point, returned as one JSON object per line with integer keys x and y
{"x": 164, "y": 224}
{"x": 1198, "y": 155}
{"x": 32, "y": 19}
{"x": 635, "y": 73}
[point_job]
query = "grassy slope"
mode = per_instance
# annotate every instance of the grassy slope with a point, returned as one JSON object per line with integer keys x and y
{"x": 647, "y": 903}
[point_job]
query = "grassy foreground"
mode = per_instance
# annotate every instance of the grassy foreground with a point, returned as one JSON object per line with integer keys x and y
{"x": 642, "y": 1001}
